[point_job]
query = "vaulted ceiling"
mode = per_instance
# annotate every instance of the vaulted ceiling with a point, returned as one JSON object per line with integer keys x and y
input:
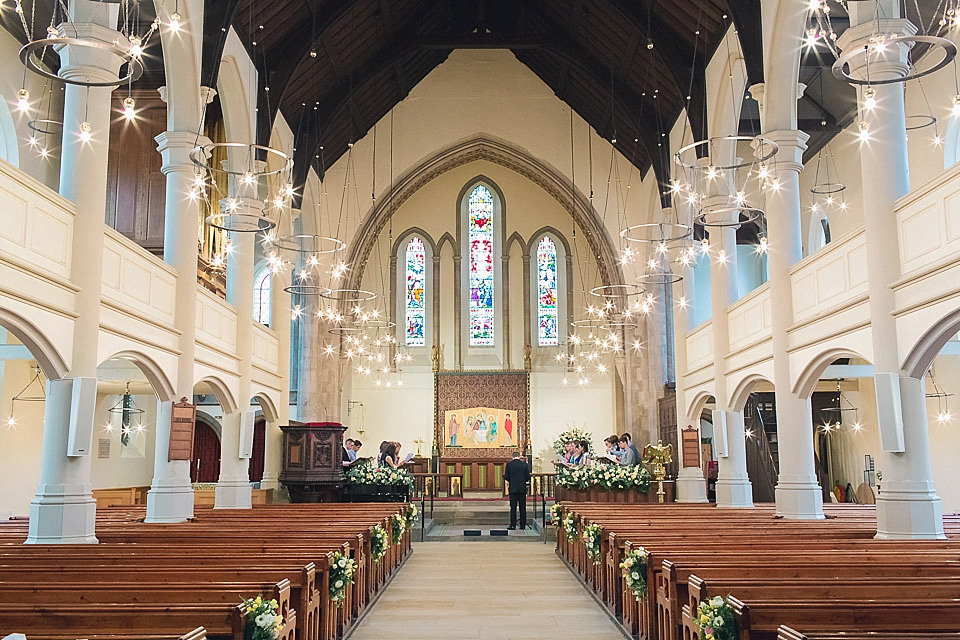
{"x": 335, "y": 67}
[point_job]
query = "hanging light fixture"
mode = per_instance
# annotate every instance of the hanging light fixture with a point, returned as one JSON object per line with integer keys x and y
{"x": 944, "y": 416}
{"x": 25, "y": 395}
{"x": 835, "y": 417}
{"x": 128, "y": 411}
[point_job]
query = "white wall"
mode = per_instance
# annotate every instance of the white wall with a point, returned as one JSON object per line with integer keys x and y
{"x": 19, "y": 444}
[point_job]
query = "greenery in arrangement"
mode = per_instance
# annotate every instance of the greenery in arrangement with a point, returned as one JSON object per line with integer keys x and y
{"x": 378, "y": 542}
{"x": 369, "y": 474}
{"x": 341, "y": 576}
{"x": 715, "y": 620}
{"x": 634, "y": 567}
{"x": 555, "y": 512}
{"x": 263, "y": 622}
{"x": 572, "y": 434}
{"x": 570, "y": 527}
{"x": 413, "y": 514}
{"x": 399, "y": 525}
{"x": 605, "y": 476}
{"x": 591, "y": 540}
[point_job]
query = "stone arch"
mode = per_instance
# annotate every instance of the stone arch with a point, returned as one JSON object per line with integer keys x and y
{"x": 740, "y": 395}
{"x": 404, "y": 237}
{"x": 700, "y": 399}
{"x": 267, "y": 406}
{"x": 224, "y": 396}
{"x": 51, "y": 362}
{"x": 446, "y": 239}
{"x": 551, "y": 231}
{"x": 810, "y": 374}
{"x": 234, "y": 101}
{"x": 151, "y": 370}
{"x": 180, "y": 53}
{"x": 505, "y": 155}
{"x": 926, "y": 348}
{"x": 516, "y": 239}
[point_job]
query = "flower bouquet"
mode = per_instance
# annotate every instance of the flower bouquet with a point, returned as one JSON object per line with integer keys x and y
{"x": 263, "y": 622}
{"x": 570, "y": 527}
{"x": 341, "y": 576}
{"x": 574, "y": 433}
{"x": 555, "y": 515}
{"x": 606, "y": 476}
{"x": 413, "y": 514}
{"x": 634, "y": 567}
{"x": 591, "y": 540}
{"x": 378, "y": 542}
{"x": 715, "y": 620}
{"x": 398, "y": 526}
{"x": 369, "y": 474}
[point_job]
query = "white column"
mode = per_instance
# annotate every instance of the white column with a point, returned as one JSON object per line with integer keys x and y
{"x": 908, "y": 506}
{"x": 798, "y": 493}
{"x": 64, "y": 510}
{"x": 279, "y": 322}
{"x": 733, "y": 483}
{"x": 691, "y": 485}
{"x": 170, "y": 498}
{"x": 233, "y": 486}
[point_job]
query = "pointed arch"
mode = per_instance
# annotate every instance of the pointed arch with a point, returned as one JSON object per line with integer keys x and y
{"x": 699, "y": 401}
{"x": 516, "y": 239}
{"x": 740, "y": 395}
{"x": 267, "y": 405}
{"x": 926, "y": 348}
{"x": 447, "y": 239}
{"x": 225, "y": 397}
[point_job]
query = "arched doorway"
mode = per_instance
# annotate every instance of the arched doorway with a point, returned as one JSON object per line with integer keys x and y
{"x": 259, "y": 449}
{"x": 205, "y": 463}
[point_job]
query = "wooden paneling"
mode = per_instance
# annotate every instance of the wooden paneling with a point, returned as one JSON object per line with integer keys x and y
{"x": 135, "y": 184}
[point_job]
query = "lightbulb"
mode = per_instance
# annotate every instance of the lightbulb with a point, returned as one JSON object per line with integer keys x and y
{"x": 857, "y": 427}
{"x": 704, "y": 245}
{"x": 649, "y": 44}
{"x": 944, "y": 417}
{"x": 762, "y": 247}
{"x": 52, "y": 32}
{"x": 956, "y": 105}
{"x": 175, "y": 21}
{"x": 128, "y": 111}
{"x": 864, "y": 134}
{"x": 869, "y": 98}
{"x": 136, "y": 46}
{"x": 85, "y": 131}
{"x": 23, "y": 100}
{"x": 247, "y": 178}
{"x": 11, "y": 421}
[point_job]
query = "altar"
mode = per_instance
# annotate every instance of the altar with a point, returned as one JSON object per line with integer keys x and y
{"x": 480, "y": 419}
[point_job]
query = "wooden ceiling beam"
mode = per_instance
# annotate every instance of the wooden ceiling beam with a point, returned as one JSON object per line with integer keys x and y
{"x": 747, "y": 20}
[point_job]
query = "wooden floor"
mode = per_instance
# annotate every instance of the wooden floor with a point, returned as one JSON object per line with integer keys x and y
{"x": 485, "y": 590}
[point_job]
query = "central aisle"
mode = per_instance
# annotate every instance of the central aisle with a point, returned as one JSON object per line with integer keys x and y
{"x": 485, "y": 590}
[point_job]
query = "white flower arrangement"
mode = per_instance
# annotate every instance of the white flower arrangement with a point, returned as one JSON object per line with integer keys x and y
{"x": 263, "y": 620}
{"x": 572, "y": 434}
{"x": 605, "y": 476}
{"x": 634, "y": 567}
{"x": 592, "y": 541}
{"x": 369, "y": 474}
{"x": 398, "y": 526}
{"x": 570, "y": 527}
{"x": 556, "y": 513}
{"x": 378, "y": 542}
{"x": 342, "y": 569}
{"x": 715, "y": 620}
{"x": 413, "y": 514}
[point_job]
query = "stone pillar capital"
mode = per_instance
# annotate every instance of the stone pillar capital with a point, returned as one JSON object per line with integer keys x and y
{"x": 792, "y": 143}
{"x": 886, "y": 62}
{"x": 175, "y": 148}
{"x": 90, "y": 63}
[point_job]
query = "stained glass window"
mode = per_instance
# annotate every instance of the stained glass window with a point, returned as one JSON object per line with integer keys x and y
{"x": 547, "y": 312}
{"x": 416, "y": 293}
{"x": 261, "y": 296}
{"x": 480, "y": 210}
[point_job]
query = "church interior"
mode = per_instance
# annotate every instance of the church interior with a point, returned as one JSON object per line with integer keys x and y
{"x": 335, "y": 288}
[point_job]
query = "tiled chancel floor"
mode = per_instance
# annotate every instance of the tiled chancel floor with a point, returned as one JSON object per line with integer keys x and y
{"x": 485, "y": 591}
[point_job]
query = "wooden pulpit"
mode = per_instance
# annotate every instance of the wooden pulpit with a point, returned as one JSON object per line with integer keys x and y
{"x": 313, "y": 461}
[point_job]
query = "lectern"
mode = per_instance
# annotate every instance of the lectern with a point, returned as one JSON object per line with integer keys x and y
{"x": 313, "y": 461}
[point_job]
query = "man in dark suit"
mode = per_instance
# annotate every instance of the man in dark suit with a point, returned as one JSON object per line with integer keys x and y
{"x": 517, "y": 475}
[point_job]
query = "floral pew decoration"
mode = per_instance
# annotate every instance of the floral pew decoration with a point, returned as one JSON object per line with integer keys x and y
{"x": 591, "y": 540}
{"x": 556, "y": 515}
{"x": 398, "y": 526}
{"x": 378, "y": 542}
{"x": 570, "y": 527}
{"x": 342, "y": 570}
{"x": 634, "y": 567}
{"x": 263, "y": 620}
{"x": 715, "y": 620}
{"x": 413, "y": 514}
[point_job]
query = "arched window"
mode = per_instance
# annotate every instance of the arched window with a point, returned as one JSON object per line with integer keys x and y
{"x": 481, "y": 271}
{"x": 262, "y": 307}
{"x": 416, "y": 293}
{"x": 548, "y": 331}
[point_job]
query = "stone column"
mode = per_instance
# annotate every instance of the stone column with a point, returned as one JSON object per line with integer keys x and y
{"x": 798, "y": 494}
{"x": 170, "y": 498}
{"x": 273, "y": 441}
{"x": 233, "y": 486}
{"x": 63, "y": 510}
{"x": 908, "y": 506}
{"x": 733, "y": 484}
{"x": 691, "y": 485}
